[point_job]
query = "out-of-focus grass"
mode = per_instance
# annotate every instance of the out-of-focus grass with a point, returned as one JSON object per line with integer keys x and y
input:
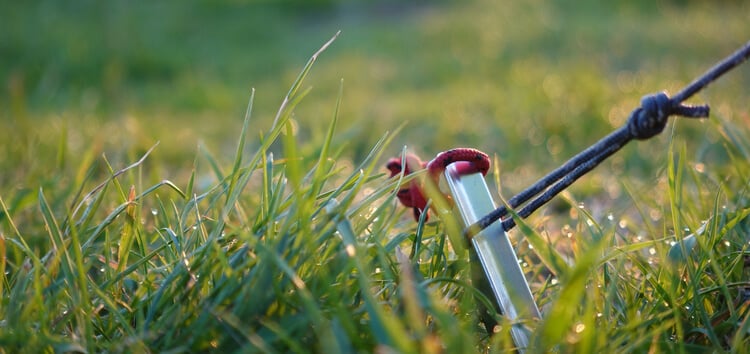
{"x": 533, "y": 82}
{"x": 250, "y": 252}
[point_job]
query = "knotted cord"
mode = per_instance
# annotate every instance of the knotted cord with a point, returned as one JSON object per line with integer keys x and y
{"x": 644, "y": 122}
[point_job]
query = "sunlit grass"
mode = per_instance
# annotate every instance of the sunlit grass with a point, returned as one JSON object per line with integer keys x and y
{"x": 287, "y": 236}
{"x": 301, "y": 253}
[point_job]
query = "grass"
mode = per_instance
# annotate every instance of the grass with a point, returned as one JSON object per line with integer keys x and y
{"x": 291, "y": 241}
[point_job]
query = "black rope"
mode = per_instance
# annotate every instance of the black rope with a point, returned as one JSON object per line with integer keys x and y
{"x": 644, "y": 122}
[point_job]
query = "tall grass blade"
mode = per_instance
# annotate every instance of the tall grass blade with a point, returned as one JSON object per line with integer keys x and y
{"x": 298, "y": 82}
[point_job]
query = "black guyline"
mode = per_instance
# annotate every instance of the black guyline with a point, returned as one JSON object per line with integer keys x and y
{"x": 643, "y": 123}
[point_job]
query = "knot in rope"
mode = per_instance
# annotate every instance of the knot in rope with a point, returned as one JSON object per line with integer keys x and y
{"x": 650, "y": 118}
{"x": 644, "y": 122}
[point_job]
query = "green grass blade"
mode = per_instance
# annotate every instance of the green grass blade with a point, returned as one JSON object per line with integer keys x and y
{"x": 240, "y": 147}
{"x": 543, "y": 249}
{"x": 298, "y": 82}
{"x": 385, "y": 329}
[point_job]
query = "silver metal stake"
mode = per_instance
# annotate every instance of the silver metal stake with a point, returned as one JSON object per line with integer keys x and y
{"x": 473, "y": 200}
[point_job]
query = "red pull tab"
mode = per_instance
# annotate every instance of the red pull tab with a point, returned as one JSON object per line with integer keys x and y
{"x": 411, "y": 195}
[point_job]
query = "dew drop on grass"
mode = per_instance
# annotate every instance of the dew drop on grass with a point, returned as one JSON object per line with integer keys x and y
{"x": 610, "y": 217}
{"x": 580, "y": 327}
{"x": 554, "y": 281}
{"x": 195, "y": 227}
{"x": 351, "y": 251}
{"x": 622, "y": 223}
{"x": 102, "y": 270}
{"x": 581, "y": 205}
{"x": 599, "y": 315}
{"x": 298, "y": 282}
{"x": 652, "y": 251}
{"x": 567, "y": 231}
{"x": 655, "y": 214}
{"x": 727, "y": 243}
{"x": 154, "y": 212}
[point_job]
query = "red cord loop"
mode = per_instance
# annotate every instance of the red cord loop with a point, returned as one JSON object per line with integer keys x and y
{"x": 412, "y": 195}
{"x": 479, "y": 160}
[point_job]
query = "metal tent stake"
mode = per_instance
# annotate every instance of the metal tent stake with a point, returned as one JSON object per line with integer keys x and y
{"x": 473, "y": 200}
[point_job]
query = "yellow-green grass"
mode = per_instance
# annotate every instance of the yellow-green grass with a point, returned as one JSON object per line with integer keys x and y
{"x": 225, "y": 236}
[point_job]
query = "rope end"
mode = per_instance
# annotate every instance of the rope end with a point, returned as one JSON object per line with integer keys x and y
{"x": 701, "y": 111}
{"x": 651, "y": 117}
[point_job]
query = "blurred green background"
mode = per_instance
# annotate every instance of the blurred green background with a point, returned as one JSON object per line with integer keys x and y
{"x": 531, "y": 81}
